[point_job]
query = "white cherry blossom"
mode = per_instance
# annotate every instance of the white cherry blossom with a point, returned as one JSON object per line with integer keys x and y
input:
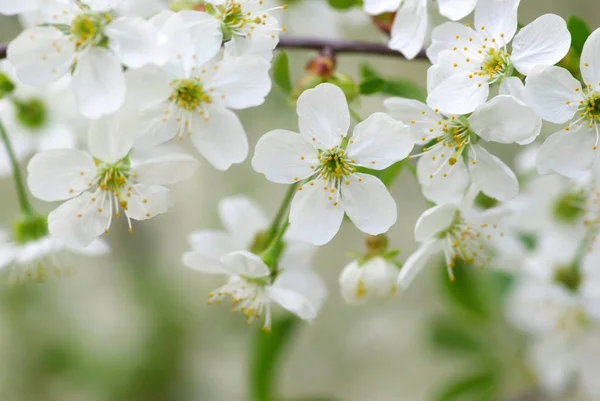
{"x": 193, "y": 96}
{"x": 373, "y": 277}
{"x": 100, "y": 184}
{"x": 412, "y": 25}
{"x": 324, "y": 160}
{"x": 559, "y": 98}
{"x": 453, "y": 155}
{"x": 85, "y": 40}
{"x": 251, "y": 288}
{"x": 473, "y": 58}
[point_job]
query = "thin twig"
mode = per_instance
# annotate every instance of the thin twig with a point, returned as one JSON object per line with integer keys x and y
{"x": 3, "y": 50}
{"x": 342, "y": 46}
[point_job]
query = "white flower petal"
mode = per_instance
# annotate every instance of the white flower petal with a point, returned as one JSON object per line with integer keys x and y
{"x": 323, "y": 115}
{"x": 98, "y": 83}
{"x": 79, "y": 221}
{"x": 304, "y": 282}
{"x": 513, "y": 86}
{"x": 221, "y": 139}
{"x": 590, "y": 60}
{"x": 60, "y": 174}
{"x": 213, "y": 243}
{"x": 450, "y": 36}
{"x": 13, "y": 7}
{"x": 569, "y": 153}
{"x": 410, "y": 28}
{"x": 368, "y": 203}
{"x": 133, "y": 39}
{"x": 206, "y": 33}
{"x": 440, "y": 181}
{"x": 470, "y": 92}
{"x": 293, "y": 302}
{"x": 552, "y": 361}
{"x": 313, "y": 217}
{"x": 420, "y": 117}
{"x": 416, "y": 262}
{"x": 350, "y": 281}
{"x": 147, "y": 201}
{"x": 242, "y": 263}
{"x": 111, "y": 137}
{"x": 41, "y": 55}
{"x": 553, "y": 94}
{"x": 543, "y": 42}
{"x": 379, "y": 141}
{"x": 504, "y": 119}
{"x": 375, "y": 7}
{"x": 243, "y": 81}
{"x": 284, "y": 157}
{"x": 456, "y": 9}
{"x": 498, "y": 18}
{"x": 163, "y": 167}
{"x": 242, "y": 218}
{"x": 159, "y": 123}
{"x": 434, "y": 221}
{"x": 491, "y": 175}
{"x": 203, "y": 263}
{"x": 380, "y": 277}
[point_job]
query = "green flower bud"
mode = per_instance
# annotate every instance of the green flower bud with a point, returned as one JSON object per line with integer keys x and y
{"x": 569, "y": 277}
{"x": 6, "y": 85}
{"x": 570, "y": 207}
{"x": 31, "y": 113}
{"x": 30, "y": 228}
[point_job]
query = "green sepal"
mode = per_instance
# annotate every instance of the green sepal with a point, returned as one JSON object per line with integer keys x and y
{"x": 30, "y": 228}
{"x": 7, "y": 86}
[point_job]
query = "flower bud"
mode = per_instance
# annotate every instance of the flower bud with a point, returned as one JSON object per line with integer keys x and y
{"x": 346, "y": 84}
{"x": 31, "y": 113}
{"x": 569, "y": 277}
{"x": 384, "y": 22}
{"x": 6, "y": 85}
{"x": 317, "y": 71}
{"x": 375, "y": 277}
{"x": 30, "y": 228}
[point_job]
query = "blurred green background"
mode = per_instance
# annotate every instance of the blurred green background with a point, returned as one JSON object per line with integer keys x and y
{"x": 135, "y": 325}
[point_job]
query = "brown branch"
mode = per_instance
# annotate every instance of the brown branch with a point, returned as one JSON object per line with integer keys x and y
{"x": 3, "y": 50}
{"x": 342, "y": 46}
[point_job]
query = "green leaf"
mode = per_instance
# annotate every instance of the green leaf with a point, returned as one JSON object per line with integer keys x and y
{"x": 367, "y": 71}
{"x": 580, "y": 31}
{"x": 281, "y": 72}
{"x": 404, "y": 88}
{"x": 345, "y": 4}
{"x": 480, "y": 386}
{"x": 266, "y": 353}
{"x": 371, "y": 86}
{"x": 450, "y": 335}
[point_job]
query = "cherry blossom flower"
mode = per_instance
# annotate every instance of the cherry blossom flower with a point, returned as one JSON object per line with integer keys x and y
{"x": 411, "y": 24}
{"x": 98, "y": 185}
{"x": 324, "y": 160}
{"x": 374, "y": 277}
{"x": 473, "y": 58}
{"x": 84, "y": 39}
{"x": 195, "y": 97}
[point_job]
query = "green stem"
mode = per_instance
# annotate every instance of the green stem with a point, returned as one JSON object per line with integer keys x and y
{"x": 18, "y": 177}
{"x": 271, "y": 255}
{"x": 282, "y": 212}
{"x": 355, "y": 115}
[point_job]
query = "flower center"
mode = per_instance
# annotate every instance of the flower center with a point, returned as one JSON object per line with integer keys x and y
{"x": 589, "y": 110}
{"x": 456, "y": 136}
{"x": 87, "y": 28}
{"x": 496, "y": 65}
{"x": 232, "y": 17}
{"x": 30, "y": 113}
{"x": 113, "y": 177}
{"x": 189, "y": 94}
{"x": 334, "y": 166}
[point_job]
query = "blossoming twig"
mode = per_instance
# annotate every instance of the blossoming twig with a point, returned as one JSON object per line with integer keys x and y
{"x": 342, "y": 46}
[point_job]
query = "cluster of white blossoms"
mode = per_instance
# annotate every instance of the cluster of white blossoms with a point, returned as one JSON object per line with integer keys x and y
{"x": 140, "y": 77}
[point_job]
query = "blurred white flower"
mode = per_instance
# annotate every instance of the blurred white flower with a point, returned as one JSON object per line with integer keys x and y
{"x": 34, "y": 120}
{"x": 459, "y": 233}
{"x": 39, "y": 258}
{"x": 195, "y": 97}
{"x": 250, "y": 27}
{"x": 559, "y": 98}
{"x": 252, "y": 290}
{"x": 246, "y": 228}
{"x": 471, "y": 59}
{"x": 325, "y": 164}
{"x": 98, "y": 184}
{"x": 84, "y": 39}
{"x": 452, "y": 155}
{"x": 411, "y": 24}
{"x": 373, "y": 277}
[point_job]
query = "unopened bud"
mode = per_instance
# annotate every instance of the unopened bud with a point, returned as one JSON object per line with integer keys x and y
{"x": 31, "y": 113}
{"x": 6, "y": 85}
{"x": 346, "y": 84}
{"x": 323, "y": 65}
{"x": 384, "y": 22}
{"x": 377, "y": 244}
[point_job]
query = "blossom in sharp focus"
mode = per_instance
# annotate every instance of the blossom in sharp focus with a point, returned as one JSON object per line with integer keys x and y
{"x": 411, "y": 25}
{"x": 195, "y": 97}
{"x": 473, "y": 58}
{"x": 36, "y": 259}
{"x": 374, "y": 277}
{"x": 252, "y": 289}
{"x": 85, "y": 40}
{"x": 324, "y": 160}
{"x": 100, "y": 184}
{"x": 457, "y": 232}
{"x": 453, "y": 155}
{"x": 34, "y": 121}
{"x": 561, "y": 99}
{"x": 245, "y": 228}
{"x": 250, "y": 27}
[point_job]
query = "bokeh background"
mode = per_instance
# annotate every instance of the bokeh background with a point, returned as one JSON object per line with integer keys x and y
{"x": 135, "y": 325}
